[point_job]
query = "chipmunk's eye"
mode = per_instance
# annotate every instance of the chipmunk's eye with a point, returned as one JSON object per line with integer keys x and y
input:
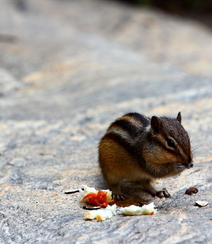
{"x": 170, "y": 143}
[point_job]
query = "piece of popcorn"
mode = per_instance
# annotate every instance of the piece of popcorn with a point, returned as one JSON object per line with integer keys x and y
{"x": 102, "y": 214}
{"x": 148, "y": 209}
{"x": 84, "y": 190}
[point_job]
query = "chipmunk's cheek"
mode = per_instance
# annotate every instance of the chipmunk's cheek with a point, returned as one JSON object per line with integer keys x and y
{"x": 180, "y": 166}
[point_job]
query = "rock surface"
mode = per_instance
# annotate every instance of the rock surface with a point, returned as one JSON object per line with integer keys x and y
{"x": 67, "y": 70}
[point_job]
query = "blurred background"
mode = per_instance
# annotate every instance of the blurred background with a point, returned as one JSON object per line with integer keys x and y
{"x": 90, "y": 61}
{"x": 77, "y": 49}
{"x": 179, "y": 7}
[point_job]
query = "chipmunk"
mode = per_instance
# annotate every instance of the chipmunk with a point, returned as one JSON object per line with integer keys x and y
{"x": 141, "y": 149}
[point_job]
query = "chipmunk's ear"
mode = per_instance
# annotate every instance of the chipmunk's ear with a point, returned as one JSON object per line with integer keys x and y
{"x": 179, "y": 117}
{"x": 155, "y": 124}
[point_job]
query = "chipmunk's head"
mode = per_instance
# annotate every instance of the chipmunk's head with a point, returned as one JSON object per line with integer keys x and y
{"x": 171, "y": 140}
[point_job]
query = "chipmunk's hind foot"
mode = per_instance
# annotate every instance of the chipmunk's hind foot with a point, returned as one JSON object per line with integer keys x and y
{"x": 118, "y": 197}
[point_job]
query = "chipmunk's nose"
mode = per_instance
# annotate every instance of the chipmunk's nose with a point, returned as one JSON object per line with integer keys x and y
{"x": 190, "y": 165}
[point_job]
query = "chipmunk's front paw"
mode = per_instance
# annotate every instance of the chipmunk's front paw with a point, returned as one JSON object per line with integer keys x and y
{"x": 162, "y": 193}
{"x": 180, "y": 166}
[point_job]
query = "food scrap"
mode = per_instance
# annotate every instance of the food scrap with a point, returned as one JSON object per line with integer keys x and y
{"x": 191, "y": 190}
{"x": 110, "y": 211}
{"x": 96, "y": 198}
{"x": 101, "y": 199}
{"x": 102, "y": 214}
{"x": 84, "y": 190}
{"x": 148, "y": 209}
{"x": 201, "y": 203}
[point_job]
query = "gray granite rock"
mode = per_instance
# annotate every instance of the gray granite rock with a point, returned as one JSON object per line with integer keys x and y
{"x": 71, "y": 68}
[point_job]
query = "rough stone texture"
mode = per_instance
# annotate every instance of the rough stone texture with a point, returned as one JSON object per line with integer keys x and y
{"x": 68, "y": 69}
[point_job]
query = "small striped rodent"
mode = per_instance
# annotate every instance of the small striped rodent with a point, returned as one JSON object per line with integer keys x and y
{"x": 141, "y": 149}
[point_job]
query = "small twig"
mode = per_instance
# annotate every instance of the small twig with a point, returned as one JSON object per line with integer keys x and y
{"x": 71, "y": 192}
{"x": 90, "y": 208}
